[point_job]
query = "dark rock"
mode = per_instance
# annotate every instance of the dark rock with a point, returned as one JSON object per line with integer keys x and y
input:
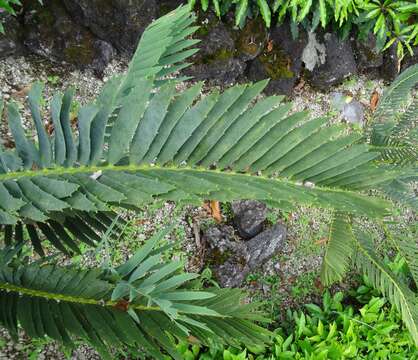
{"x": 120, "y": 22}
{"x": 280, "y": 61}
{"x": 339, "y": 63}
{"x": 11, "y": 42}
{"x": 390, "y": 68}
{"x": 249, "y": 217}
{"x": 226, "y": 255}
{"x": 50, "y": 32}
{"x": 232, "y": 260}
{"x": 165, "y": 6}
{"x": 220, "y": 72}
{"x": 265, "y": 245}
{"x": 367, "y": 54}
{"x": 217, "y": 59}
{"x": 409, "y": 59}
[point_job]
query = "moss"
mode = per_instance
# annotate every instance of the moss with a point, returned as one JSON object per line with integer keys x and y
{"x": 80, "y": 53}
{"x": 371, "y": 55}
{"x": 220, "y": 55}
{"x": 218, "y": 258}
{"x": 202, "y": 31}
{"x": 277, "y": 64}
{"x": 251, "y": 39}
{"x": 45, "y": 17}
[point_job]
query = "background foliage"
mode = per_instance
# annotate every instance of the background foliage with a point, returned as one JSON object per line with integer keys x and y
{"x": 393, "y": 21}
{"x": 9, "y": 7}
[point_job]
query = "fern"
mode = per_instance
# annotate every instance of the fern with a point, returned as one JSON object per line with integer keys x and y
{"x": 137, "y": 306}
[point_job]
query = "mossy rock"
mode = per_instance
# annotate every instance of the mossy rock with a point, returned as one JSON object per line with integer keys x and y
{"x": 251, "y": 40}
{"x": 280, "y": 60}
{"x": 119, "y": 22}
{"x": 277, "y": 64}
{"x": 50, "y": 32}
{"x": 11, "y": 42}
{"x": 218, "y": 59}
{"x": 367, "y": 55}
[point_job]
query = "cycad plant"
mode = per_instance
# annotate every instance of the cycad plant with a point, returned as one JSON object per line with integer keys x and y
{"x": 143, "y": 141}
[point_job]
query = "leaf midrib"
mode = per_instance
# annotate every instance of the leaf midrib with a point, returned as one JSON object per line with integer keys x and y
{"x": 68, "y": 298}
{"x": 58, "y": 171}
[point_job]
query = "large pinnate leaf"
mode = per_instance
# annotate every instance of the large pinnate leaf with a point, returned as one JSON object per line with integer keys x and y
{"x": 394, "y": 133}
{"x": 143, "y": 301}
{"x": 141, "y": 140}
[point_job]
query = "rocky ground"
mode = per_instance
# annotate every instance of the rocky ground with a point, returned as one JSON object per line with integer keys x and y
{"x": 287, "y": 279}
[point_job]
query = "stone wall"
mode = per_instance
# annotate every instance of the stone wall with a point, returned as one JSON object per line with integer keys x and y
{"x": 88, "y": 34}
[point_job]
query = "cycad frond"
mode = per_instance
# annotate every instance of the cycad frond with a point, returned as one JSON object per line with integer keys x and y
{"x": 340, "y": 246}
{"x": 137, "y": 305}
{"x": 402, "y": 192}
{"x": 386, "y": 281}
{"x": 396, "y": 96}
{"x": 395, "y": 121}
{"x": 136, "y": 144}
{"x": 406, "y": 244}
{"x": 396, "y": 149}
{"x": 394, "y": 134}
{"x": 65, "y": 231}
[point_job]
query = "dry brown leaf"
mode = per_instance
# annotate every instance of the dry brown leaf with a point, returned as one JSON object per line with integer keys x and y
{"x": 122, "y": 305}
{"x": 193, "y": 340}
{"x": 49, "y": 128}
{"x": 270, "y": 46}
{"x": 22, "y": 92}
{"x": 374, "y": 100}
{"x": 216, "y": 211}
{"x": 319, "y": 285}
{"x": 322, "y": 241}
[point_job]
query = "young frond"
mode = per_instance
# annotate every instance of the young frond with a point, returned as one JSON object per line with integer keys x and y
{"x": 394, "y": 133}
{"x": 136, "y": 305}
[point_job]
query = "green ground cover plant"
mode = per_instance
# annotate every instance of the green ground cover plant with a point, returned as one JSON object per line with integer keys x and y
{"x": 359, "y": 325}
{"x": 393, "y": 21}
{"x": 142, "y": 142}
